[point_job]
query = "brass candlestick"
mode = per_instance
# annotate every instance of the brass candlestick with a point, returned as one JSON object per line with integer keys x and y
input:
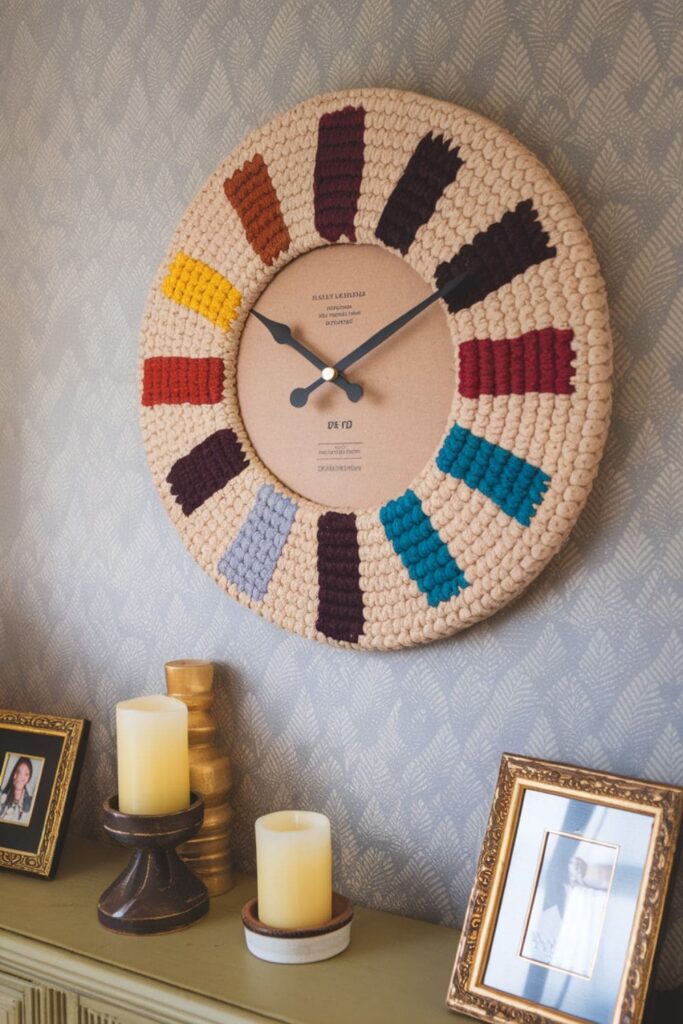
{"x": 208, "y": 853}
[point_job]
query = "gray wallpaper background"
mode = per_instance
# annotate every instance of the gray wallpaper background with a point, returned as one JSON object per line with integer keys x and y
{"x": 111, "y": 117}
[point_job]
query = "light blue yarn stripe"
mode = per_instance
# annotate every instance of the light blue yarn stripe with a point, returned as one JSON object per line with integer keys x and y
{"x": 513, "y": 484}
{"x": 421, "y": 549}
{"x": 250, "y": 560}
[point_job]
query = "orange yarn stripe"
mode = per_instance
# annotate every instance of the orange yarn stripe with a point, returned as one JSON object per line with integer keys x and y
{"x": 198, "y": 286}
{"x": 252, "y": 194}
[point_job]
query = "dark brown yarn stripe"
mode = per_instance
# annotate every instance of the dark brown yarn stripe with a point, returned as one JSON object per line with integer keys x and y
{"x": 505, "y": 249}
{"x": 431, "y": 168}
{"x": 252, "y": 194}
{"x": 340, "y": 602}
{"x": 338, "y": 172}
{"x": 206, "y": 469}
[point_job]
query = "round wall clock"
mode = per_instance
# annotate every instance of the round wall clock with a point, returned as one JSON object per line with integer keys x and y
{"x": 376, "y": 370}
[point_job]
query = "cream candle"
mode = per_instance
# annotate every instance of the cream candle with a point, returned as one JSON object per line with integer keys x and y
{"x": 294, "y": 869}
{"x": 152, "y": 754}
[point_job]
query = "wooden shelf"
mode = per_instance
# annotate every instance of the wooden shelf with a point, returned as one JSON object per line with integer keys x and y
{"x": 395, "y": 970}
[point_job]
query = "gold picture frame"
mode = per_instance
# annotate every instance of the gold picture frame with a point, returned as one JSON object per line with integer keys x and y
{"x": 40, "y": 757}
{"x": 575, "y": 865}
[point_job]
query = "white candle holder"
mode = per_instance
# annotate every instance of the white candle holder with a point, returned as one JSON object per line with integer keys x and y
{"x": 299, "y": 945}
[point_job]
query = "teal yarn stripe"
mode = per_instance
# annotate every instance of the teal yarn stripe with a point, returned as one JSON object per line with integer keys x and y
{"x": 421, "y": 549}
{"x": 513, "y": 484}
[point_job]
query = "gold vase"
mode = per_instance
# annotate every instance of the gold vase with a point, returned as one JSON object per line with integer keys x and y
{"x": 208, "y": 853}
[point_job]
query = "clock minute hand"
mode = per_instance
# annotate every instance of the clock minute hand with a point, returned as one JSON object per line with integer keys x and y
{"x": 300, "y": 395}
{"x": 375, "y": 340}
{"x": 283, "y": 336}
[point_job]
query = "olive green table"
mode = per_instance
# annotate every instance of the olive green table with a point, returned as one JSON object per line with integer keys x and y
{"x": 59, "y": 966}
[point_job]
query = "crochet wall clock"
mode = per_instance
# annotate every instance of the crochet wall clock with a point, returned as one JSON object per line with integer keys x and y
{"x": 376, "y": 369}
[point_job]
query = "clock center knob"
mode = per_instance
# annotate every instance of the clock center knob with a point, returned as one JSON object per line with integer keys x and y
{"x": 329, "y": 373}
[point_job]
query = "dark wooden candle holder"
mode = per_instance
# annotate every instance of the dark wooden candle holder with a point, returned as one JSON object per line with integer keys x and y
{"x": 157, "y": 892}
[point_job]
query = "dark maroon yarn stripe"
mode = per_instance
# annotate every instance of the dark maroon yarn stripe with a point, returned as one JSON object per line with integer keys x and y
{"x": 538, "y": 361}
{"x": 431, "y": 168}
{"x": 505, "y": 249}
{"x": 338, "y": 172}
{"x": 340, "y": 602}
{"x": 206, "y": 469}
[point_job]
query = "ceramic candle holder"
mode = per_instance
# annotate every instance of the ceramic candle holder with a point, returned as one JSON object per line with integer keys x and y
{"x": 156, "y": 892}
{"x": 299, "y": 945}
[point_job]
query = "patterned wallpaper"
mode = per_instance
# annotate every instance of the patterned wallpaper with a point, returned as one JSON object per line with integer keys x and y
{"x": 111, "y": 117}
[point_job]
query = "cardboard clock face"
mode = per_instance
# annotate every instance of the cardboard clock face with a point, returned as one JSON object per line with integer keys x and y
{"x": 376, "y": 370}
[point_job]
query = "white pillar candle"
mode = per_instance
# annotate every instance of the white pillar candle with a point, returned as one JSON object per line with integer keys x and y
{"x": 294, "y": 869}
{"x": 152, "y": 754}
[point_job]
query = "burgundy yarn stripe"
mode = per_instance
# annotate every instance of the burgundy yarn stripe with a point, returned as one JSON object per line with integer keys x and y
{"x": 538, "y": 361}
{"x": 506, "y": 248}
{"x": 174, "y": 380}
{"x": 251, "y": 192}
{"x": 206, "y": 469}
{"x": 338, "y": 172}
{"x": 431, "y": 168}
{"x": 340, "y": 602}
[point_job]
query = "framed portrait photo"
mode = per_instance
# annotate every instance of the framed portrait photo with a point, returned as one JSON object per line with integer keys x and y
{"x": 568, "y": 898}
{"x": 40, "y": 757}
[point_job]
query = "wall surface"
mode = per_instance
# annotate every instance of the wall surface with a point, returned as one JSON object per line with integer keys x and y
{"x": 111, "y": 117}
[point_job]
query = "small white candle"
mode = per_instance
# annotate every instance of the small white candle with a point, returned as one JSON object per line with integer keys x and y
{"x": 152, "y": 754}
{"x": 294, "y": 869}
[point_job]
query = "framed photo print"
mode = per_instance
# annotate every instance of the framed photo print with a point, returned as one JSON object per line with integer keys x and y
{"x": 568, "y": 898}
{"x": 40, "y": 756}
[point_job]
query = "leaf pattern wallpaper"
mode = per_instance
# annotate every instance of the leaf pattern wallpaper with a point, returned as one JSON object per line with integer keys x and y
{"x": 111, "y": 117}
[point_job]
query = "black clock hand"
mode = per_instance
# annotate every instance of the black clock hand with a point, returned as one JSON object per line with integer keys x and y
{"x": 283, "y": 336}
{"x": 299, "y": 396}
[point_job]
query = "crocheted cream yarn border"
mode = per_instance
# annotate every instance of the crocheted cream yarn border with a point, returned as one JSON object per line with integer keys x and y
{"x": 215, "y": 268}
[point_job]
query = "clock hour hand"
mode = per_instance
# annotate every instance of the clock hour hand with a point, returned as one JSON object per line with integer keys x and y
{"x": 299, "y": 396}
{"x": 283, "y": 336}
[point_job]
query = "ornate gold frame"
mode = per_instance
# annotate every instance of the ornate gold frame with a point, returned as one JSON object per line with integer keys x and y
{"x": 73, "y": 731}
{"x": 467, "y": 992}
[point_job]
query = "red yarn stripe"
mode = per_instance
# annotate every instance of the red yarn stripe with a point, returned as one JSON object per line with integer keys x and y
{"x": 538, "y": 361}
{"x": 172, "y": 380}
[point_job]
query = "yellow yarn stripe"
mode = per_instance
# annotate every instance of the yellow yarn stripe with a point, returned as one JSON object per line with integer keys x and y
{"x": 198, "y": 286}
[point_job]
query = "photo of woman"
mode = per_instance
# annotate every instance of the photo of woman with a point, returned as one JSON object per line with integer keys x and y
{"x": 18, "y": 788}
